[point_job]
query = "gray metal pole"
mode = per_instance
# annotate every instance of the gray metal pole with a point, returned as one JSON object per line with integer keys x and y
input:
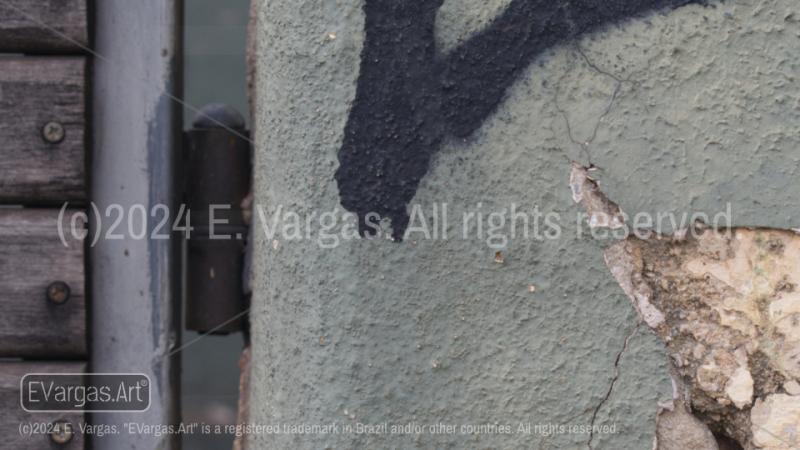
{"x": 135, "y": 280}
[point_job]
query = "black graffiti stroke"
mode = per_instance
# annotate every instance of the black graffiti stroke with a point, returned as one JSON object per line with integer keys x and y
{"x": 410, "y": 97}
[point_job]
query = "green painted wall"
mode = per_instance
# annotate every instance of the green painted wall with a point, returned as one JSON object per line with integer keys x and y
{"x": 682, "y": 112}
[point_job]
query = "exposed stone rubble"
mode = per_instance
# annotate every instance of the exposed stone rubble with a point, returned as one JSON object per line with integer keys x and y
{"x": 678, "y": 429}
{"x": 727, "y": 306}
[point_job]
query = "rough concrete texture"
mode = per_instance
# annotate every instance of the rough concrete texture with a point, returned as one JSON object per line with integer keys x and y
{"x": 707, "y": 112}
{"x": 681, "y": 112}
{"x": 730, "y": 317}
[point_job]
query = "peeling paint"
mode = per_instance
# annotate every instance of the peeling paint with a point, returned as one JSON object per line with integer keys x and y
{"x": 602, "y": 212}
{"x": 728, "y": 311}
{"x": 726, "y": 305}
{"x": 624, "y": 269}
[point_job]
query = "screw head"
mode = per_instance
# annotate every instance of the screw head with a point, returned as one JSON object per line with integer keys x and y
{"x": 58, "y": 292}
{"x": 53, "y": 132}
{"x": 62, "y": 432}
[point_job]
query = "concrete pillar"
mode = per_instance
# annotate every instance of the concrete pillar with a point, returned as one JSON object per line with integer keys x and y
{"x": 683, "y": 109}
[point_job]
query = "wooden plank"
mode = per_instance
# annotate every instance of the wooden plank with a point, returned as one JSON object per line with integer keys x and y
{"x": 32, "y": 256}
{"x": 43, "y": 26}
{"x": 12, "y": 414}
{"x": 35, "y": 91}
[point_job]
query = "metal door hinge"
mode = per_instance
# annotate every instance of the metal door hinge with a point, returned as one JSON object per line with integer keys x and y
{"x": 217, "y": 182}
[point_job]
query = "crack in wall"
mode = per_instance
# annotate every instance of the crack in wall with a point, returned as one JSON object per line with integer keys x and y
{"x": 618, "y": 83}
{"x": 726, "y": 304}
{"x": 611, "y": 385}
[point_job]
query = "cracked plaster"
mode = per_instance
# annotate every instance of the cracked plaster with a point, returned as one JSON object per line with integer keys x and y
{"x": 681, "y": 113}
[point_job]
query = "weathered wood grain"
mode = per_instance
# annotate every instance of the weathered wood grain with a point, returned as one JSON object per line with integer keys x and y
{"x": 43, "y": 26}
{"x": 12, "y": 414}
{"x": 31, "y": 257}
{"x": 33, "y": 92}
